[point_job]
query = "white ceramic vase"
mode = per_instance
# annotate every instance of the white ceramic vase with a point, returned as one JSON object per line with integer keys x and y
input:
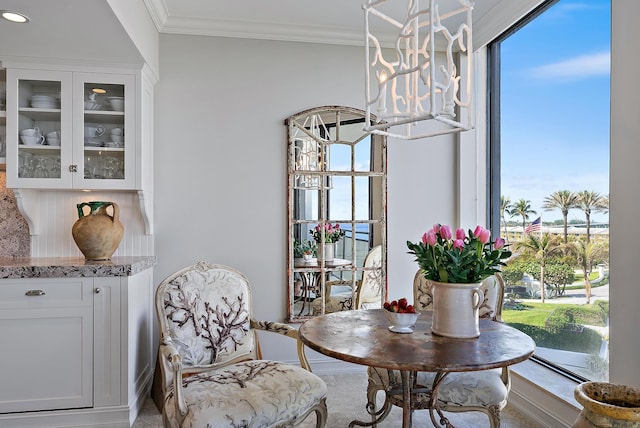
{"x": 326, "y": 252}
{"x": 455, "y": 309}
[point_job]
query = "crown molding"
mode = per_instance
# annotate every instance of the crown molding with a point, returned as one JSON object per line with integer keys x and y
{"x": 498, "y": 19}
{"x": 158, "y": 12}
{"x": 263, "y": 31}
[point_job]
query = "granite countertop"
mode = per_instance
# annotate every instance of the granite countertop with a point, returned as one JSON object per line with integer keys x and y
{"x": 61, "y": 267}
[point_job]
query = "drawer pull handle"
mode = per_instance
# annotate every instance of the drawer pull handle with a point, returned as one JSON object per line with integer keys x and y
{"x": 35, "y": 293}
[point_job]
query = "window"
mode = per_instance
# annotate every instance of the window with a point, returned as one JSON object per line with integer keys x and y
{"x": 549, "y": 148}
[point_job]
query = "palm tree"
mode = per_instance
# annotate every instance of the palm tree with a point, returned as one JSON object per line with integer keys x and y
{"x": 587, "y": 201}
{"x": 505, "y": 206}
{"x": 587, "y": 253}
{"x": 541, "y": 248}
{"x": 522, "y": 208}
{"x": 563, "y": 200}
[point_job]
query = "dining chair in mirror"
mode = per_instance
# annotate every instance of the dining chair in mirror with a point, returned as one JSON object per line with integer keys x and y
{"x": 336, "y": 206}
{"x": 339, "y": 296}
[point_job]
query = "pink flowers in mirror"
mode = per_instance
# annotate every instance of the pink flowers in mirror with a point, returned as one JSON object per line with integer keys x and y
{"x": 332, "y": 233}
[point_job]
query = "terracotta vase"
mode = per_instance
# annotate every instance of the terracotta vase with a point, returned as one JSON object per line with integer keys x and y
{"x": 607, "y": 405}
{"x": 97, "y": 233}
{"x": 455, "y": 309}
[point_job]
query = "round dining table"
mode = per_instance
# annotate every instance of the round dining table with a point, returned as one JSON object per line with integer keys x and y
{"x": 363, "y": 337}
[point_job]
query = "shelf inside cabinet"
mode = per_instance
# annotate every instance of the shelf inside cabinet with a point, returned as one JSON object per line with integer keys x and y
{"x": 41, "y": 113}
{"x": 39, "y": 149}
{"x": 103, "y": 149}
{"x": 104, "y": 116}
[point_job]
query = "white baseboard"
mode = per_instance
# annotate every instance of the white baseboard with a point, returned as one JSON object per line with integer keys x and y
{"x": 107, "y": 417}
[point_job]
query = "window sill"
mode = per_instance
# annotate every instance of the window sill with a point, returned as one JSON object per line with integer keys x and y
{"x": 543, "y": 395}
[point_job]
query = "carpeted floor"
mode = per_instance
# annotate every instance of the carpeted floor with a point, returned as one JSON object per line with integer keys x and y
{"x": 346, "y": 401}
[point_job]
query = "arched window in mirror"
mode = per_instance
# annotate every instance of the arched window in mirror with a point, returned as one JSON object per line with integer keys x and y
{"x": 337, "y": 183}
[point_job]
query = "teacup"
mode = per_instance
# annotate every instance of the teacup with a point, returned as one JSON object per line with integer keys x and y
{"x": 52, "y": 141}
{"x": 90, "y": 131}
{"x": 32, "y": 140}
{"x": 53, "y": 134}
{"x": 117, "y": 138}
{"x": 117, "y": 131}
{"x": 31, "y": 132}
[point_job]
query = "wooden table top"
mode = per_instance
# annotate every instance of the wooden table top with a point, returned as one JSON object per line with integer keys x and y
{"x": 363, "y": 337}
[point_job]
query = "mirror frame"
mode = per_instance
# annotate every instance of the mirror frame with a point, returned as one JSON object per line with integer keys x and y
{"x": 329, "y": 119}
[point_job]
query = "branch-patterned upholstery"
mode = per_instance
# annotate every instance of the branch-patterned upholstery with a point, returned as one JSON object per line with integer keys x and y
{"x": 213, "y": 374}
{"x": 339, "y": 295}
{"x": 486, "y": 391}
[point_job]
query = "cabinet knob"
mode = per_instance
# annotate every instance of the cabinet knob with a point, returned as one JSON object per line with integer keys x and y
{"x": 98, "y": 290}
{"x": 73, "y": 168}
{"x": 35, "y": 293}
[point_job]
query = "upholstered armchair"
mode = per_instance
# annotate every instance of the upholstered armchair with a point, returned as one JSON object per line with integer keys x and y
{"x": 338, "y": 294}
{"x": 485, "y": 391}
{"x": 213, "y": 374}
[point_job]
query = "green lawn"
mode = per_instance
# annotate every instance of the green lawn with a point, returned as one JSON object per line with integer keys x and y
{"x": 557, "y": 326}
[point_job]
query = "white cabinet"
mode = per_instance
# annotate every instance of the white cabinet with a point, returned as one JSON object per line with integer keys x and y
{"x": 72, "y": 130}
{"x": 46, "y": 329}
{"x": 76, "y": 351}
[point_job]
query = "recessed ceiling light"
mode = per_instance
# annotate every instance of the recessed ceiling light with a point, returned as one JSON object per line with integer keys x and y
{"x": 99, "y": 90}
{"x": 14, "y": 16}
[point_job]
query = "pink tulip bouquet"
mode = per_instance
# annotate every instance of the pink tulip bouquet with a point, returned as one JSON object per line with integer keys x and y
{"x": 463, "y": 258}
{"x": 332, "y": 233}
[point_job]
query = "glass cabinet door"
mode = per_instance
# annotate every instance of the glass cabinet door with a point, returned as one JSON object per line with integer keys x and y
{"x": 105, "y": 131}
{"x": 39, "y": 133}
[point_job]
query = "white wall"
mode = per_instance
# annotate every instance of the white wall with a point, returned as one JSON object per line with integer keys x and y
{"x": 220, "y": 156}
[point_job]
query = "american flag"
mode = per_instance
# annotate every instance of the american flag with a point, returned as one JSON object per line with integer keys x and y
{"x": 534, "y": 226}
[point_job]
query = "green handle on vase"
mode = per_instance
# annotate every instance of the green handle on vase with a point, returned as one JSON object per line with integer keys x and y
{"x": 94, "y": 205}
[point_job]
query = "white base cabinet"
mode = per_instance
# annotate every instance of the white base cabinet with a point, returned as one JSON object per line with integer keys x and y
{"x": 76, "y": 351}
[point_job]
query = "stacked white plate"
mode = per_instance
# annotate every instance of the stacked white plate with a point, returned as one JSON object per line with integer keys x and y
{"x": 44, "y": 101}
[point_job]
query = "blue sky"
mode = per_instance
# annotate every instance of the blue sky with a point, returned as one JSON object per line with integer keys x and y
{"x": 555, "y": 105}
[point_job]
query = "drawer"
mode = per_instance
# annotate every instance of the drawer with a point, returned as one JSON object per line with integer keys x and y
{"x": 45, "y": 292}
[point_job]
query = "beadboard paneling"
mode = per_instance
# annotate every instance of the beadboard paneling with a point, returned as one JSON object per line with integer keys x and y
{"x": 57, "y": 213}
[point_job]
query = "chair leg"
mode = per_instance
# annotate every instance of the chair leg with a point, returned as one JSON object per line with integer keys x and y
{"x": 494, "y": 416}
{"x": 321, "y": 414}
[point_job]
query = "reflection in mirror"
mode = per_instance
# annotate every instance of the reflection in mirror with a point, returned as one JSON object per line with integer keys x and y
{"x": 337, "y": 183}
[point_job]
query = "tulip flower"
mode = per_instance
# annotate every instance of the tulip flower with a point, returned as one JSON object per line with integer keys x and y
{"x": 430, "y": 238}
{"x": 445, "y": 232}
{"x": 499, "y": 243}
{"x": 459, "y": 244}
{"x": 460, "y": 234}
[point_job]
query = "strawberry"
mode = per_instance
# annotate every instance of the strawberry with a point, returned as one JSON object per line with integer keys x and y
{"x": 402, "y": 303}
{"x": 410, "y": 309}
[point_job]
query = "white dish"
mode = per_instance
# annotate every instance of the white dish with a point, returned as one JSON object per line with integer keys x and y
{"x": 117, "y": 103}
{"x": 44, "y": 104}
{"x": 92, "y": 106}
{"x": 404, "y": 330}
{"x": 94, "y": 143}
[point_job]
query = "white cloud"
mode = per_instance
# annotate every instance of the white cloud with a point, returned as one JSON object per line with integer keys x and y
{"x": 580, "y": 67}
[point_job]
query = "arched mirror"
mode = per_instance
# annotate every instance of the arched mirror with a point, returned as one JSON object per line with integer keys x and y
{"x": 337, "y": 184}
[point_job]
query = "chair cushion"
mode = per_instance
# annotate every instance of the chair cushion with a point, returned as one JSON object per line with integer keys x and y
{"x": 256, "y": 393}
{"x": 480, "y": 388}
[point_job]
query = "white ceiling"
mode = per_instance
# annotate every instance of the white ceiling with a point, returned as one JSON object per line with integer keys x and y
{"x": 89, "y": 31}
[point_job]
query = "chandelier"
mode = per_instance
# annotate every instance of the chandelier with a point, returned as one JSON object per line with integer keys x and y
{"x": 425, "y": 75}
{"x": 311, "y": 153}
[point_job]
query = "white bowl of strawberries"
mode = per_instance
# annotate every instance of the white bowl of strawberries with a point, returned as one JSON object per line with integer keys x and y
{"x": 401, "y": 315}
